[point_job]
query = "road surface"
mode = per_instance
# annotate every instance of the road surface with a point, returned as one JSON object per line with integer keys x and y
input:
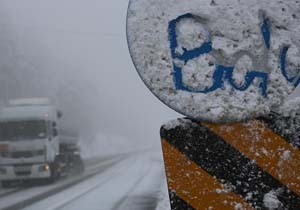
{"x": 136, "y": 182}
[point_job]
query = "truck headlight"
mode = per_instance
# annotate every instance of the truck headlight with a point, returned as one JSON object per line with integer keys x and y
{"x": 43, "y": 168}
{"x": 3, "y": 170}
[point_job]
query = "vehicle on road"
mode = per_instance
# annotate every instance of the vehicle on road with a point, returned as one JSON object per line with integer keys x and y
{"x": 33, "y": 144}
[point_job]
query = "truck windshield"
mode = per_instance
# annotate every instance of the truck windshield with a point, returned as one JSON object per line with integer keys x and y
{"x": 22, "y": 130}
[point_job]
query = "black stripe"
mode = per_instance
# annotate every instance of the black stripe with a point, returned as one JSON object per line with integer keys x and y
{"x": 177, "y": 203}
{"x": 228, "y": 165}
{"x": 286, "y": 127}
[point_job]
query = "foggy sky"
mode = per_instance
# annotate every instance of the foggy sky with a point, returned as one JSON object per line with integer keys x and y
{"x": 75, "y": 52}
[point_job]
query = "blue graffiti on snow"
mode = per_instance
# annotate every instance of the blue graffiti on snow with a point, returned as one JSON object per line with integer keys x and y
{"x": 222, "y": 73}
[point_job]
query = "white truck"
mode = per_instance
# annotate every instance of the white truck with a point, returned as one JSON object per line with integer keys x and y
{"x": 32, "y": 144}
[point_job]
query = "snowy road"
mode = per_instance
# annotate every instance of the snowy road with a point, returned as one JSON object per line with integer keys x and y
{"x": 13, "y": 199}
{"x": 90, "y": 165}
{"x": 135, "y": 183}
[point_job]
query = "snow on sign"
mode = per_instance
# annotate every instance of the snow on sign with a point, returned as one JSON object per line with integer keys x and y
{"x": 217, "y": 60}
{"x": 253, "y": 165}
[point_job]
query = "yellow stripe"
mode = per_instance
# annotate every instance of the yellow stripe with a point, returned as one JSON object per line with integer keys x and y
{"x": 195, "y": 186}
{"x": 269, "y": 151}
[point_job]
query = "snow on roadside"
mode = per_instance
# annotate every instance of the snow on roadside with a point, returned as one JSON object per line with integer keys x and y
{"x": 105, "y": 145}
{"x": 163, "y": 198}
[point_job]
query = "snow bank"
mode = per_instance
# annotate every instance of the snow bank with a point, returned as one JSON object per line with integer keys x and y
{"x": 163, "y": 196}
{"x": 238, "y": 39}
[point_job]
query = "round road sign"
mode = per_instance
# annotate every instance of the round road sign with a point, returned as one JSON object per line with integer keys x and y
{"x": 217, "y": 60}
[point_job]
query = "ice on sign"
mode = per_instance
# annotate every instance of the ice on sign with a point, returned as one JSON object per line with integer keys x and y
{"x": 217, "y": 60}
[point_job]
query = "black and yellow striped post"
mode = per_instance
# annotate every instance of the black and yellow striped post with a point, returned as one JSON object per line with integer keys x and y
{"x": 238, "y": 166}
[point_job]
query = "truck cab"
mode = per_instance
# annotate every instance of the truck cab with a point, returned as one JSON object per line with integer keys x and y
{"x": 29, "y": 140}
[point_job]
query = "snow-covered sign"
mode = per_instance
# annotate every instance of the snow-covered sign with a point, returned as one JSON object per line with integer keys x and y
{"x": 217, "y": 60}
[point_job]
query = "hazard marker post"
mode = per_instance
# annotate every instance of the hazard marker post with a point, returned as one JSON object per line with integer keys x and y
{"x": 242, "y": 166}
